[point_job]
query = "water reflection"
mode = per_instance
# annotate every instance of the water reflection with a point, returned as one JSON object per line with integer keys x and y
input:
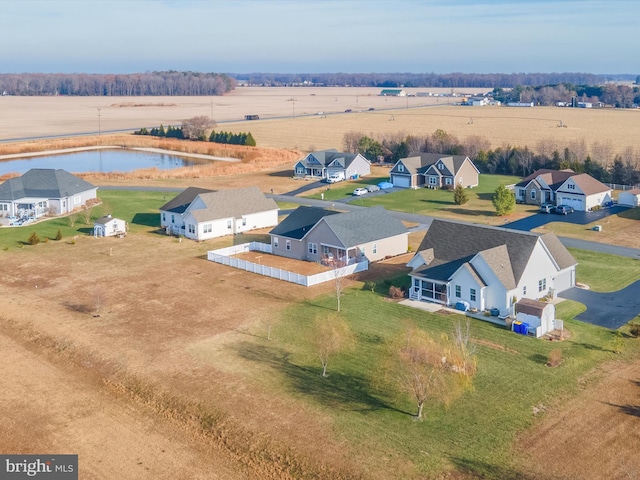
{"x": 99, "y": 161}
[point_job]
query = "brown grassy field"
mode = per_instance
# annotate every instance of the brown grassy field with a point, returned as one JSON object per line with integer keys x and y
{"x": 289, "y": 120}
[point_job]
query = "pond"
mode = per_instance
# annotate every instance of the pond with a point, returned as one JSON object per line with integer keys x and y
{"x": 99, "y": 161}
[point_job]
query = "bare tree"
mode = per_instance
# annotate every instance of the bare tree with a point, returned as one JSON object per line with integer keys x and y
{"x": 339, "y": 272}
{"x": 86, "y": 215}
{"x": 525, "y": 160}
{"x": 602, "y": 153}
{"x": 464, "y": 353}
{"x": 331, "y": 335}
{"x": 350, "y": 141}
{"x": 473, "y": 145}
{"x": 196, "y": 128}
{"x": 72, "y": 219}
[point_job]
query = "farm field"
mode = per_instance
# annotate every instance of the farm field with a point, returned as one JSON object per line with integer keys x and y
{"x": 288, "y": 117}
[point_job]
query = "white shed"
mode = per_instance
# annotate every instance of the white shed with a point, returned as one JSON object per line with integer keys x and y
{"x": 630, "y": 198}
{"x": 109, "y": 226}
{"x": 536, "y": 314}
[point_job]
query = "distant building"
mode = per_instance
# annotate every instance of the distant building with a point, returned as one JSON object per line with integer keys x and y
{"x": 393, "y": 92}
{"x": 520, "y": 104}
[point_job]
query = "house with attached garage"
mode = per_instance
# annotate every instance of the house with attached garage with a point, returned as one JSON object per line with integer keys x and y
{"x": 321, "y": 235}
{"x": 434, "y": 170}
{"x": 322, "y": 164}
{"x": 488, "y": 267}
{"x": 42, "y": 191}
{"x": 563, "y": 187}
{"x": 201, "y": 214}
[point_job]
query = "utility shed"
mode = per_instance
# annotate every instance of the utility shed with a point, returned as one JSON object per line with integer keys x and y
{"x": 109, "y": 226}
{"x": 537, "y": 314}
{"x": 630, "y": 198}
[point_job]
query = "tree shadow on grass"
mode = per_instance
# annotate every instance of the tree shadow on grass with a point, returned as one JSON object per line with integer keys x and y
{"x": 348, "y": 392}
{"x": 466, "y": 211}
{"x": 146, "y": 219}
{"x": 477, "y": 469}
{"x": 539, "y": 358}
{"x": 633, "y": 410}
{"x": 439, "y": 202}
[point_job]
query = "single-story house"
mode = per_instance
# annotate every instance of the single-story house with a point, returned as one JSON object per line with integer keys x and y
{"x": 539, "y": 316}
{"x": 563, "y": 187}
{"x": 488, "y": 267}
{"x": 630, "y": 198}
{"x": 201, "y": 214}
{"x": 325, "y": 163}
{"x": 109, "y": 226}
{"x": 42, "y": 191}
{"x": 321, "y": 235}
{"x": 434, "y": 170}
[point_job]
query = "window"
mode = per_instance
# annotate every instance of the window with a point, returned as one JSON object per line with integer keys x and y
{"x": 472, "y": 294}
{"x": 571, "y": 186}
{"x": 400, "y": 167}
{"x": 441, "y": 166}
{"x": 325, "y": 250}
{"x": 458, "y": 291}
{"x": 206, "y": 228}
{"x": 363, "y": 250}
{"x": 76, "y": 200}
{"x": 275, "y": 242}
{"x": 4, "y": 207}
{"x": 228, "y": 223}
{"x": 244, "y": 221}
{"x": 433, "y": 180}
{"x": 375, "y": 248}
{"x": 173, "y": 219}
{"x": 313, "y": 248}
{"x": 164, "y": 217}
{"x": 192, "y": 228}
{"x": 448, "y": 181}
{"x": 542, "y": 285}
{"x": 533, "y": 194}
{"x": 288, "y": 245}
{"x": 524, "y": 290}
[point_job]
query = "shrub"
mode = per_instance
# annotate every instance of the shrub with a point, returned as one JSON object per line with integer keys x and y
{"x": 460, "y": 196}
{"x": 34, "y": 239}
{"x": 555, "y": 358}
{"x": 395, "y": 292}
{"x": 635, "y": 329}
{"x": 58, "y": 235}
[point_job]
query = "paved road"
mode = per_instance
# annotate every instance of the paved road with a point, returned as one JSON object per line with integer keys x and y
{"x": 579, "y": 218}
{"x": 611, "y": 309}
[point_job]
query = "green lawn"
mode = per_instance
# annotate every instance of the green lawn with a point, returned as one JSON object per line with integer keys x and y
{"x": 604, "y": 272}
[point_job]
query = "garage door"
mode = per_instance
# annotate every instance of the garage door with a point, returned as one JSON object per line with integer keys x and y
{"x": 401, "y": 181}
{"x": 576, "y": 203}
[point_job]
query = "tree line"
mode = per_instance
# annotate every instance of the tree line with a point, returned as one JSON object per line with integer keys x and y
{"x": 199, "y": 128}
{"x": 107, "y": 85}
{"x": 619, "y": 96}
{"x": 599, "y": 159}
{"x": 416, "y": 80}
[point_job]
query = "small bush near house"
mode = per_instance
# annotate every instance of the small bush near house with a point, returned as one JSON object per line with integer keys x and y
{"x": 58, "y": 235}
{"x": 34, "y": 239}
{"x": 555, "y": 358}
{"x": 396, "y": 292}
{"x": 369, "y": 285}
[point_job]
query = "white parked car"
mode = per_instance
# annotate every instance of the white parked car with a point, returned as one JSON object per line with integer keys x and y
{"x": 360, "y": 191}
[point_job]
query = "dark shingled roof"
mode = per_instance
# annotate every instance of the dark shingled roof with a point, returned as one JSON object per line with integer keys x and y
{"x": 180, "y": 203}
{"x": 363, "y": 226}
{"x": 457, "y": 243}
{"x": 530, "y": 307}
{"x": 299, "y": 222}
{"x": 44, "y": 183}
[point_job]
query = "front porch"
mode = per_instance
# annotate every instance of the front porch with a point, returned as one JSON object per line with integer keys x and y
{"x": 339, "y": 257}
{"x": 310, "y": 172}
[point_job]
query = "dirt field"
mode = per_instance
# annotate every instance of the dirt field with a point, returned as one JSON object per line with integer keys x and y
{"x": 292, "y": 121}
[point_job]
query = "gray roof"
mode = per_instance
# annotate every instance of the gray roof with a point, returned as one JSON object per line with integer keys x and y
{"x": 507, "y": 252}
{"x": 180, "y": 203}
{"x": 325, "y": 157}
{"x": 233, "y": 203}
{"x": 300, "y": 221}
{"x": 44, "y": 183}
{"x": 363, "y": 226}
{"x": 421, "y": 162}
{"x": 452, "y": 164}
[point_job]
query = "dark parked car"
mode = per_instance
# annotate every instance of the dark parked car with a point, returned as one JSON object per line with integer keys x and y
{"x": 563, "y": 209}
{"x": 348, "y": 110}
{"x": 373, "y": 188}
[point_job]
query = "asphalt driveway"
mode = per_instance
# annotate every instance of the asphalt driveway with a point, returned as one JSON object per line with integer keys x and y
{"x": 610, "y": 310}
{"x": 579, "y": 218}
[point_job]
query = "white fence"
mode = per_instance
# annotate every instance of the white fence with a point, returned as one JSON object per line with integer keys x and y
{"x": 617, "y": 186}
{"x": 224, "y": 257}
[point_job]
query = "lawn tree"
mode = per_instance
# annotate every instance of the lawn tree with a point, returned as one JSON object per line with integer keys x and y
{"x": 463, "y": 355}
{"x": 504, "y": 201}
{"x": 86, "y": 214}
{"x": 339, "y": 271}
{"x": 460, "y": 196}
{"x": 331, "y": 335}
{"x": 195, "y": 128}
{"x": 72, "y": 219}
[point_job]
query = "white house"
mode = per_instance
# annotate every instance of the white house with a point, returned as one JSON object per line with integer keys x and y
{"x": 488, "y": 267}
{"x": 325, "y": 163}
{"x": 41, "y": 191}
{"x": 203, "y": 214}
{"x": 563, "y": 187}
{"x": 630, "y": 198}
{"x": 109, "y": 226}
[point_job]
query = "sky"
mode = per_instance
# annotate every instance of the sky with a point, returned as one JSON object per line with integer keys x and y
{"x": 313, "y": 36}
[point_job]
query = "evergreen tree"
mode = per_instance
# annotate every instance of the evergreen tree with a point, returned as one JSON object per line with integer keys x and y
{"x": 504, "y": 201}
{"x": 460, "y": 196}
{"x": 250, "y": 141}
